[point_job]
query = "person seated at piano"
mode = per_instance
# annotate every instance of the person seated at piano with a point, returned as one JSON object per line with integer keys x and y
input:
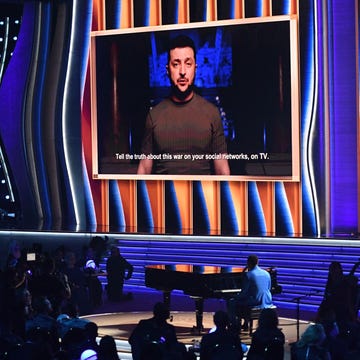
{"x": 155, "y": 332}
{"x": 256, "y": 291}
{"x": 221, "y": 343}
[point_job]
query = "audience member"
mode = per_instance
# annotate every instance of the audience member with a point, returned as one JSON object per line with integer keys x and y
{"x": 12, "y": 287}
{"x": 8, "y": 339}
{"x": 311, "y": 345}
{"x": 333, "y": 341}
{"x": 59, "y": 258}
{"x": 23, "y": 311}
{"x": 43, "y": 321}
{"x": 78, "y": 284}
{"x": 118, "y": 269}
{"x": 14, "y": 254}
{"x": 107, "y": 348}
{"x": 69, "y": 318}
{"x": 40, "y": 343}
{"x": 74, "y": 343}
{"x": 338, "y": 295}
{"x": 268, "y": 340}
{"x": 91, "y": 329}
{"x": 155, "y": 330}
{"x": 99, "y": 246}
{"x": 47, "y": 284}
{"x": 221, "y": 343}
{"x": 42, "y": 315}
{"x": 91, "y": 270}
{"x": 256, "y": 291}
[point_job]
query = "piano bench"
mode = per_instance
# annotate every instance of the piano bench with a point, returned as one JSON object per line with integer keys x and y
{"x": 254, "y": 315}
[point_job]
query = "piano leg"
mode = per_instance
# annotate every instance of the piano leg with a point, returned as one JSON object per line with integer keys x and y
{"x": 199, "y": 310}
{"x": 166, "y": 297}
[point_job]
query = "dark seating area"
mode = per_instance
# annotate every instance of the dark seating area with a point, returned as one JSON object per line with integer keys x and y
{"x": 299, "y": 299}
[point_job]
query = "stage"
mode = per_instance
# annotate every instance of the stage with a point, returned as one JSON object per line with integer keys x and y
{"x": 120, "y": 325}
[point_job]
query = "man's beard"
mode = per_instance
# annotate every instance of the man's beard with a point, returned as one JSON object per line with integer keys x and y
{"x": 181, "y": 95}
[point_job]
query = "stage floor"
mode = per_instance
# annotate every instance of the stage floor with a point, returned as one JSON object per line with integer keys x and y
{"x": 120, "y": 325}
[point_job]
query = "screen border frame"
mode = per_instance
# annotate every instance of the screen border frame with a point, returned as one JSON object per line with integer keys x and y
{"x": 295, "y": 100}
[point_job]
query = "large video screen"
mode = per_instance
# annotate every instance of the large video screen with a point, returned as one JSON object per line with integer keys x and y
{"x": 247, "y": 77}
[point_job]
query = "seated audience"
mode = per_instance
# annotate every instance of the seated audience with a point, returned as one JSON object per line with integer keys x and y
{"x": 47, "y": 283}
{"x": 311, "y": 345}
{"x": 221, "y": 343}
{"x": 268, "y": 340}
{"x": 74, "y": 343}
{"x": 42, "y": 315}
{"x": 43, "y": 322}
{"x": 334, "y": 341}
{"x": 8, "y": 339}
{"x": 69, "y": 318}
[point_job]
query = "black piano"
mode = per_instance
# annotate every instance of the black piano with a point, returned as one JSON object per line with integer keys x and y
{"x": 200, "y": 282}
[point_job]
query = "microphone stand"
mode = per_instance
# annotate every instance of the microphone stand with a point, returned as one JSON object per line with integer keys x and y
{"x": 297, "y": 300}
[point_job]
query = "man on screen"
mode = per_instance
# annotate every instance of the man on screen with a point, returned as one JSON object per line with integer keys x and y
{"x": 184, "y": 133}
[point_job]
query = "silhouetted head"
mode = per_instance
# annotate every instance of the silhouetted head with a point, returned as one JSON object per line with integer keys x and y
{"x": 268, "y": 318}
{"x": 161, "y": 311}
{"x": 335, "y": 271}
{"x": 107, "y": 347}
{"x": 221, "y": 319}
{"x": 252, "y": 261}
{"x": 114, "y": 251}
{"x": 91, "y": 329}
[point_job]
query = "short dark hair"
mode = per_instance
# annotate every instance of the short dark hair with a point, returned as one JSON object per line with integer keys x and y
{"x": 268, "y": 318}
{"x": 181, "y": 41}
{"x": 221, "y": 319}
{"x": 252, "y": 260}
{"x": 161, "y": 311}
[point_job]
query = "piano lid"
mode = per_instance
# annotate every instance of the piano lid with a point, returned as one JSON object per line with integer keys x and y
{"x": 198, "y": 269}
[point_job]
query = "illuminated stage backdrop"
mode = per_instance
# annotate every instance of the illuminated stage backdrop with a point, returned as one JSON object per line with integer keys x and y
{"x": 46, "y": 130}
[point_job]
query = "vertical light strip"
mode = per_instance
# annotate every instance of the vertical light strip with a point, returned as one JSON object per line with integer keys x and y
{"x": 281, "y": 197}
{"x": 211, "y": 10}
{"x": 358, "y": 109}
{"x": 65, "y": 130}
{"x": 326, "y": 116}
{"x": 309, "y": 116}
{"x": 4, "y": 50}
{"x": 127, "y": 14}
{"x": 343, "y": 116}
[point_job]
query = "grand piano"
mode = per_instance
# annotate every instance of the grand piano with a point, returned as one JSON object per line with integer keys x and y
{"x": 200, "y": 282}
